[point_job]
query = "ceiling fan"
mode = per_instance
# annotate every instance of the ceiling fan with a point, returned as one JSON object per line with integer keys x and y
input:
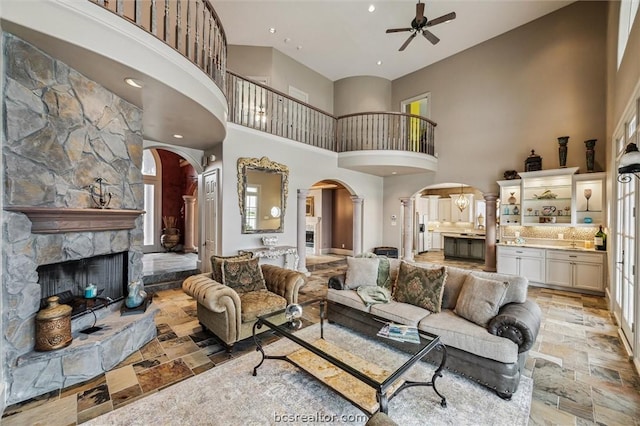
{"x": 420, "y": 24}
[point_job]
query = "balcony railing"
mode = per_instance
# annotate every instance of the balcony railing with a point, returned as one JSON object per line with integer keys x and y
{"x": 254, "y": 105}
{"x": 192, "y": 28}
{"x": 189, "y": 26}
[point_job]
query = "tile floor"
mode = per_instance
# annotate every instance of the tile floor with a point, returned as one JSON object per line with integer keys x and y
{"x": 581, "y": 374}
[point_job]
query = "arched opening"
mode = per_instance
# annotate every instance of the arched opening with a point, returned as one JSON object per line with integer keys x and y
{"x": 449, "y": 225}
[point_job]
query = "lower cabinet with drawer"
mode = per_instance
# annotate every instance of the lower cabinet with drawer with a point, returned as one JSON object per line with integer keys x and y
{"x": 575, "y": 269}
{"x": 524, "y": 261}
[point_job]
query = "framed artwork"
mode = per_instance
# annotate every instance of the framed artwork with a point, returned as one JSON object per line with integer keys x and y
{"x": 310, "y": 206}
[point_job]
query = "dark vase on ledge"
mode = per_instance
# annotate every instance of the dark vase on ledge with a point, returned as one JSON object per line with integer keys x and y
{"x": 562, "y": 150}
{"x": 590, "y": 144}
{"x": 170, "y": 238}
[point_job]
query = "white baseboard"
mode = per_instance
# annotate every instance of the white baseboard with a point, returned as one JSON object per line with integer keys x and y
{"x": 626, "y": 345}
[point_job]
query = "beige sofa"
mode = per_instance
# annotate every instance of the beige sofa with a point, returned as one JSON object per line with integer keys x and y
{"x": 230, "y": 314}
{"x": 492, "y": 355}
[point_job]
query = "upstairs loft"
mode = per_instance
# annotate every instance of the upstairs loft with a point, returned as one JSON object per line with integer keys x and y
{"x": 179, "y": 52}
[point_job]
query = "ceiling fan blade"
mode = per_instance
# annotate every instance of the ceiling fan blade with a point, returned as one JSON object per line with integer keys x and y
{"x": 443, "y": 18}
{"x": 397, "y": 30}
{"x": 406, "y": 43}
{"x": 419, "y": 11}
{"x": 430, "y": 36}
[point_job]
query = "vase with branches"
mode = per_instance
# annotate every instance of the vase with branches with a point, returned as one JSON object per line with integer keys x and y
{"x": 170, "y": 233}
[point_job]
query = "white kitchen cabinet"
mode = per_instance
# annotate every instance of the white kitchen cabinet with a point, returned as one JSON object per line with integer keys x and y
{"x": 524, "y": 261}
{"x": 433, "y": 207}
{"x": 444, "y": 210}
{"x": 575, "y": 269}
{"x": 436, "y": 240}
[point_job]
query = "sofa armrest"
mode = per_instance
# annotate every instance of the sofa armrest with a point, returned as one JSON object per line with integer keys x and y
{"x": 284, "y": 282}
{"x": 337, "y": 282}
{"x": 518, "y": 322}
{"x": 212, "y": 295}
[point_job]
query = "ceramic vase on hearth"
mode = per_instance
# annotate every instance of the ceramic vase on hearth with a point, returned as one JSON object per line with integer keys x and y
{"x": 562, "y": 150}
{"x": 170, "y": 238}
{"x": 136, "y": 294}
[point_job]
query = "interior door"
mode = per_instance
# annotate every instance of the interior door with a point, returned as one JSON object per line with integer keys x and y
{"x": 210, "y": 218}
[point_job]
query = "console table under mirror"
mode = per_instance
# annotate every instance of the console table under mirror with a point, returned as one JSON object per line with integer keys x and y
{"x": 263, "y": 187}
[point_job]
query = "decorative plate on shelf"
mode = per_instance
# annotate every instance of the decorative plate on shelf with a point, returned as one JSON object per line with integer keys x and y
{"x": 546, "y": 195}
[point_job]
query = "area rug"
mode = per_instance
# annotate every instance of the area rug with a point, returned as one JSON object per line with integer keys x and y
{"x": 283, "y": 394}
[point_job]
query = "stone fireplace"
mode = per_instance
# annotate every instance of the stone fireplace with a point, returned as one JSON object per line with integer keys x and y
{"x": 63, "y": 132}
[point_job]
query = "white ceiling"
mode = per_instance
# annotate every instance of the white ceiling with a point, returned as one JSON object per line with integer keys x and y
{"x": 340, "y": 38}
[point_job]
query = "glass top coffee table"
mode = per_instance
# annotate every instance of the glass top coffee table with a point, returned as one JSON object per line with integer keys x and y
{"x": 366, "y": 370}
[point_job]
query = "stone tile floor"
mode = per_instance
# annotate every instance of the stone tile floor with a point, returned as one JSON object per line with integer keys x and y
{"x": 581, "y": 373}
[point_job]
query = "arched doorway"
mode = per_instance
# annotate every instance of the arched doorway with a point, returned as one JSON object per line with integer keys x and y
{"x": 170, "y": 201}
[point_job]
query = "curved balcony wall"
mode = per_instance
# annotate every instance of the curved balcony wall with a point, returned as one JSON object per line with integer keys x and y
{"x": 182, "y": 68}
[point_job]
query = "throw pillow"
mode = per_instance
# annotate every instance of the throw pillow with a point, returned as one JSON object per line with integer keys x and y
{"x": 243, "y": 275}
{"x": 421, "y": 287}
{"x": 480, "y": 299}
{"x": 384, "y": 273}
{"x": 361, "y": 271}
{"x": 216, "y": 264}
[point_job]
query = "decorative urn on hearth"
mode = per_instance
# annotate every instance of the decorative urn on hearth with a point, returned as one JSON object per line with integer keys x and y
{"x": 53, "y": 326}
{"x": 136, "y": 294}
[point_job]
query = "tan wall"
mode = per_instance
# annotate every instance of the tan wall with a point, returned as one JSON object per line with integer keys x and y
{"x": 250, "y": 61}
{"x": 361, "y": 94}
{"x": 282, "y": 71}
{"x": 287, "y": 71}
{"x": 519, "y": 91}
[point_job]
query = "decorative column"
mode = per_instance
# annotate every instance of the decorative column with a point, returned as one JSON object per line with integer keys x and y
{"x": 407, "y": 223}
{"x": 189, "y": 223}
{"x": 357, "y": 224}
{"x": 490, "y": 233}
{"x": 302, "y": 231}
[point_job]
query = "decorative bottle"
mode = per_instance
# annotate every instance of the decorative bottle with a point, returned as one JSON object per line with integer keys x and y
{"x": 600, "y": 240}
{"x": 136, "y": 294}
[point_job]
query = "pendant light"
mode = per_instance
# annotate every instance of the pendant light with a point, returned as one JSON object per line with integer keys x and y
{"x": 462, "y": 202}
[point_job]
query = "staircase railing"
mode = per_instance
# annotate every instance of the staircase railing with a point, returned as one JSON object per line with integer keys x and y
{"x": 191, "y": 27}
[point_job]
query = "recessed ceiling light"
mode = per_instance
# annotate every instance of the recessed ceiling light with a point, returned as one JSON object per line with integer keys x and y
{"x": 379, "y": 62}
{"x": 287, "y": 40}
{"x": 177, "y": 136}
{"x": 371, "y": 8}
{"x": 394, "y": 173}
{"x": 272, "y": 30}
{"x": 133, "y": 82}
{"x": 299, "y": 47}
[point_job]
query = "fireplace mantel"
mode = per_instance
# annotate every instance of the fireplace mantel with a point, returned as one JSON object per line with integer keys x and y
{"x": 56, "y": 220}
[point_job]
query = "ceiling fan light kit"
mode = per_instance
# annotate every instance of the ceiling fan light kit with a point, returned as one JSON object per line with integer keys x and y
{"x": 420, "y": 23}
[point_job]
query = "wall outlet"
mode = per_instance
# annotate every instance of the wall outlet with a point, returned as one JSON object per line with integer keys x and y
{"x": 343, "y": 246}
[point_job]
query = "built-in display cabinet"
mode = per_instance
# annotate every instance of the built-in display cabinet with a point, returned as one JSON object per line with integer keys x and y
{"x": 557, "y": 197}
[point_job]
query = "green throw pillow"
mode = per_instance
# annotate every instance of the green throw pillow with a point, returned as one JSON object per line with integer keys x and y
{"x": 216, "y": 264}
{"x": 243, "y": 275}
{"x": 384, "y": 273}
{"x": 420, "y": 286}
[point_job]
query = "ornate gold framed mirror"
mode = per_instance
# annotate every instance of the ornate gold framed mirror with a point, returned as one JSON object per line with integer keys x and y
{"x": 263, "y": 186}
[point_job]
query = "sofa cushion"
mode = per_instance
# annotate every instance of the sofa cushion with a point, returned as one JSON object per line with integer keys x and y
{"x": 347, "y": 298}
{"x": 459, "y": 333}
{"x": 260, "y": 302}
{"x": 518, "y": 286}
{"x": 361, "y": 271}
{"x": 400, "y": 313}
{"x": 453, "y": 286}
{"x": 216, "y": 264}
{"x": 421, "y": 287}
{"x": 243, "y": 275}
{"x": 480, "y": 299}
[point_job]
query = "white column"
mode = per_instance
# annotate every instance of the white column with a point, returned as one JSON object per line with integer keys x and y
{"x": 357, "y": 224}
{"x": 302, "y": 230}
{"x": 189, "y": 223}
{"x": 490, "y": 233}
{"x": 407, "y": 224}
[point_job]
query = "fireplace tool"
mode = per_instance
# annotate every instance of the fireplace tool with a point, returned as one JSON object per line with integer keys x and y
{"x": 99, "y": 196}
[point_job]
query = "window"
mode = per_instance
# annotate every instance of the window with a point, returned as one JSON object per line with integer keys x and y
{"x": 151, "y": 222}
{"x": 628, "y": 12}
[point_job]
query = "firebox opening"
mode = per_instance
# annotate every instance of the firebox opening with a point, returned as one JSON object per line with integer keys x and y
{"x": 68, "y": 280}
{"x": 309, "y": 240}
